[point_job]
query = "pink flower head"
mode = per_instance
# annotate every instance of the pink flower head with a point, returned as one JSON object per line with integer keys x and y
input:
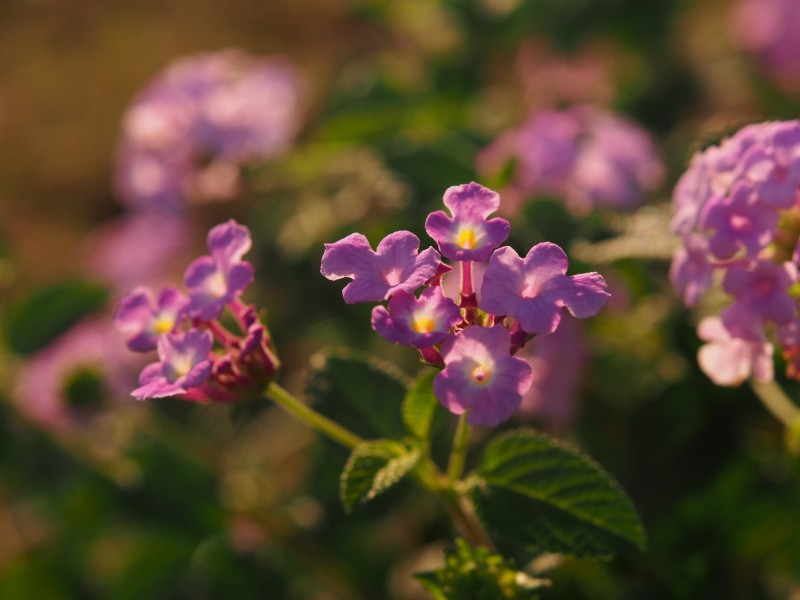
{"x": 216, "y": 280}
{"x": 468, "y": 234}
{"x": 184, "y": 364}
{"x": 481, "y": 377}
{"x": 145, "y": 319}
{"x": 763, "y": 289}
{"x": 534, "y": 289}
{"x": 730, "y": 360}
{"x": 394, "y": 266}
{"x": 416, "y": 322}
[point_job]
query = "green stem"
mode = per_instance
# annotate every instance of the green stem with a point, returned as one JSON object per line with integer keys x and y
{"x": 458, "y": 453}
{"x": 466, "y": 521}
{"x": 776, "y": 401}
{"x": 312, "y": 418}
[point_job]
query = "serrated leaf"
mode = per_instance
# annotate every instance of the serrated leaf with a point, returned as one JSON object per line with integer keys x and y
{"x": 41, "y": 317}
{"x": 373, "y": 467}
{"x": 419, "y": 405}
{"x": 362, "y": 394}
{"x": 549, "y": 497}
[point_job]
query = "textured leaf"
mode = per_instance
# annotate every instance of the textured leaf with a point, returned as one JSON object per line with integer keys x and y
{"x": 420, "y": 404}
{"x": 38, "y": 319}
{"x": 547, "y": 496}
{"x": 373, "y": 467}
{"x": 362, "y": 394}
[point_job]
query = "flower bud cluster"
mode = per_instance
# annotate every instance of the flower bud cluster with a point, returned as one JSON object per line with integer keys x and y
{"x": 471, "y": 318}
{"x": 199, "y": 357}
{"x": 736, "y": 210}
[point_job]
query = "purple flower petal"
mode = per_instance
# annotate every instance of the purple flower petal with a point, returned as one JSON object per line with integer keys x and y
{"x": 534, "y": 289}
{"x": 480, "y": 376}
{"x": 228, "y": 242}
{"x": 376, "y": 275}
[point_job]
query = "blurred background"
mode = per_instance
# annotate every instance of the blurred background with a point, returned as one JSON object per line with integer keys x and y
{"x": 364, "y": 112}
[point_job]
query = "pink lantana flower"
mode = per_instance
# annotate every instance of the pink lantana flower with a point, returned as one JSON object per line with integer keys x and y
{"x": 416, "y": 322}
{"x": 395, "y": 265}
{"x": 480, "y": 377}
{"x": 215, "y": 280}
{"x": 468, "y": 234}
{"x": 183, "y": 364}
{"x": 533, "y": 290}
{"x": 144, "y": 318}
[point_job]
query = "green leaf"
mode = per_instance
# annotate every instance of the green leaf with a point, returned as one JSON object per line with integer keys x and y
{"x": 362, "y": 394}
{"x": 373, "y": 467}
{"x": 479, "y": 574}
{"x": 549, "y": 497}
{"x": 38, "y": 319}
{"x": 419, "y": 405}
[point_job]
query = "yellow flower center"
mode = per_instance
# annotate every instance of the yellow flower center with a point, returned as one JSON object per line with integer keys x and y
{"x": 466, "y": 238}
{"x": 423, "y": 325}
{"x": 163, "y": 324}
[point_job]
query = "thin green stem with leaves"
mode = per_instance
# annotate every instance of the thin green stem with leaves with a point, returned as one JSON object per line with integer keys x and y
{"x": 445, "y": 487}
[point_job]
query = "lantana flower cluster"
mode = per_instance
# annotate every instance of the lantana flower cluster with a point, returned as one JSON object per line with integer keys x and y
{"x": 584, "y": 154}
{"x": 736, "y": 209}
{"x": 186, "y": 136}
{"x": 469, "y": 318}
{"x": 199, "y": 357}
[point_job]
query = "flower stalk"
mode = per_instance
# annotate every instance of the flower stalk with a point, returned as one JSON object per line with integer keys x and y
{"x": 312, "y": 418}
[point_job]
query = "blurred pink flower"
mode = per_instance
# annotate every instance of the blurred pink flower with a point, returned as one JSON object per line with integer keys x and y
{"x": 188, "y": 133}
{"x": 585, "y": 155}
{"x": 769, "y": 30}
{"x": 75, "y": 375}
{"x": 559, "y": 362}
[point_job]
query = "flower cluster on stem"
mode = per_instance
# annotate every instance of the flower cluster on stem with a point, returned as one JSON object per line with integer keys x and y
{"x": 737, "y": 212}
{"x": 472, "y": 317}
{"x": 199, "y": 357}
